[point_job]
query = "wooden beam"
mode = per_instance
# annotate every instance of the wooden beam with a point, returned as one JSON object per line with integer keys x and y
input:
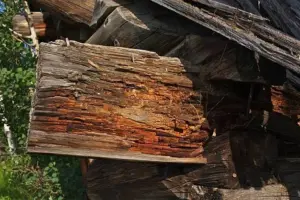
{"x": 47, "y": 29}
{"x": 238, "y": 30}
{"x": 42, "y": 24}
{"x": 71, "y": 10}
{"x": 284, "y": 14}
{"x": 230, "y": 10}
{"x": 131, "y": 180}
{"x": 244, "y": 165}
{"x": 130, "y": 103}
{"x": 103, "y": 8}
{"x": 136, "y": 27}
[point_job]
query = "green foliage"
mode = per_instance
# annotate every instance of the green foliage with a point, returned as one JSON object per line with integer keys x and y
{"x": 24, "y": 176}
{"x": 17, "y": 75}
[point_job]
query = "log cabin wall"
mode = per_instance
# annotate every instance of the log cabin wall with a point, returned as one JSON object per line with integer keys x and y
{"x": 237, "y": 93}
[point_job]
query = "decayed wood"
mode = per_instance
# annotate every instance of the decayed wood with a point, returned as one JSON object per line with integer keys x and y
{"x": 230, "y": 10}
{"x": 284, "y": 14}
{"x": 136, "y": 27}
{"x": 41, "y": 21}
{"x": 131, "y": 103}
{"x": 269, "y": 192}
{"x": 105, "y": 7}
{"x": 110, "y": 179}
{"x": 246, "y": 164}
{"x": 285, "y": 100}
{"x": 251, "y": 6}
{"x": 238, "y": 30}
{"x": 70, "y": 10}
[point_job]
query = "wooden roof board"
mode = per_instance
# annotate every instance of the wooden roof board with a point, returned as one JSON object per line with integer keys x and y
{"x": 256, "y": 36}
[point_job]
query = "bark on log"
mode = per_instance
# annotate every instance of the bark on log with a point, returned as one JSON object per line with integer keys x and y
{"x": 239, "y": 30}
{"x": 71, "y": 10}
{"x": 131, "y": 103}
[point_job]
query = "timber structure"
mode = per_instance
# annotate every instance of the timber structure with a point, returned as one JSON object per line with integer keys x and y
{"x": 173, "y": 99}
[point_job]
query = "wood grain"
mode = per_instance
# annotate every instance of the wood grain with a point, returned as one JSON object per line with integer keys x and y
{"x": 125, "y": 101}
{"x": 234, "y": 29}
{"x": 77, "y": 11}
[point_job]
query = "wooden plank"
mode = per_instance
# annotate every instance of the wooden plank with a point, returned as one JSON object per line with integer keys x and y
{"x": 249, "y": 151}
{"x": 131, "y": 180}
{"x": 235, "y": 32}
{"x": 116, "y": 100}
{"x": 230, "y": 10}
{"x": 284, "y": 14}
{"x": 251, "y": 6}
{"x": 136, "y": 27}
{"x": 71, "y": 10}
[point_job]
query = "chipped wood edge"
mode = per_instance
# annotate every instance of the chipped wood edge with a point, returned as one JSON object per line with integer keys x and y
{"x": 129, "y": 156}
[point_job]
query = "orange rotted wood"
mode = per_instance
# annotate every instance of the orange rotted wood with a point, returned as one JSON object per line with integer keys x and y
{"x": 113, "y": 102}
{"x": 286, "y": 100}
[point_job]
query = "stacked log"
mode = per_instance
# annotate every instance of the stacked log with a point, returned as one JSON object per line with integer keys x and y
{"x": 212, "y": 123}
{"x": 73, "y": 11}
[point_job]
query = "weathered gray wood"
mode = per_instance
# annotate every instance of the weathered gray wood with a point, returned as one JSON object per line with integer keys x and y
{"x": 195, "y": 49}
{"x": 250, "y": 6}
{"x": 231, "y": 10}
{"x": 269, "y": 192}
{"x": 131, "y": 103}
{"x": 284, "y": 14}
{"x": 134, "y": 28}
{"x": 233, "y": 31}
{"x": 103, "y": 8}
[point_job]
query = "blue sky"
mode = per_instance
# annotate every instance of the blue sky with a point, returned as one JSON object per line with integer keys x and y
{"x": 2, "y": 7}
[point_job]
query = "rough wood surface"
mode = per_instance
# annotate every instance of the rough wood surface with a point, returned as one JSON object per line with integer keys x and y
{"x": 230, "y": 10}
{"x": 269, "y": 192}
{"x": 136, "y": 27}
{"x": 105, "y": 7}
{"x": 285, "y": 100}
{"x": 131, "y": 180}
{"x": 71, "y": 10}
{"x": 131, "y": 103}
{"x": 41, "y": 21}
{"x": 239, "y": 30}
{"x": 284, "y": 14}
{"x": 249, "y": 159}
